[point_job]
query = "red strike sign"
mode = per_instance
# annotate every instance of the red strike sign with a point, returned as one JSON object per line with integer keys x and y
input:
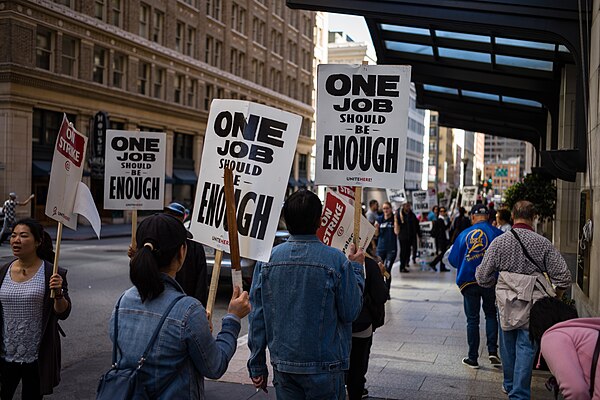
{"x": 331, "y": 219}
{"x": 347, "y": 191}
{"x": 70, "y": 144}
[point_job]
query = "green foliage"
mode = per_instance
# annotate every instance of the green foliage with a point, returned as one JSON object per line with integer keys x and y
{"x": 537, "y": 189}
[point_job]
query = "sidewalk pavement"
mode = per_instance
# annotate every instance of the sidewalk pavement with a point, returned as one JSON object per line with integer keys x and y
{"x": 417, "y": 353}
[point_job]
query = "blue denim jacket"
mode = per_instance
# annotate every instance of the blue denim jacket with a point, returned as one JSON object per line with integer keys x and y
{"x": 185, "y": 347}
{"x": 303, "y": 303}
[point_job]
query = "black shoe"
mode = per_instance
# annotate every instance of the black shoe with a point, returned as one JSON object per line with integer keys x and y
{"x": 432, "y": 267}
{"x": 444, "y": 269}
{"x": 365, "y": 394}
{"x": 404, "y": 270}
{"x": 495, "y": 360}
{"x": 470, "y": 363}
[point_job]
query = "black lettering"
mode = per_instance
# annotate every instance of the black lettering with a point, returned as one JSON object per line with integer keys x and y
{"x": 119, "y": 143}
{"x": 220, "y": 130}
{"x": 345, "y": 106}
{"x": 327, "y": 151}
{"x": 386, "y": 84}
{"x": 352, "y": 152}
{"x": 271, "y": 131}
{"x": 339, "y": 145}
{"x": 330, "y": 85}
{"x": 367, "y": 86}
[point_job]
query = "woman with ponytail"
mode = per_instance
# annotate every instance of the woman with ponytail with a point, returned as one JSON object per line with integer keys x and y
{"x": 185, "y": 351}
{"x": 29, "y": 334}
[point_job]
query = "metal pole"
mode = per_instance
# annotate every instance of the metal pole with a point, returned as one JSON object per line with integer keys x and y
{"x": 437, "y": 157}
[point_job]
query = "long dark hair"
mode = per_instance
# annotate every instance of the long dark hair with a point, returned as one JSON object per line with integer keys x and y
{"x": 159, "y": 239}
{"x": 44, "y": 250}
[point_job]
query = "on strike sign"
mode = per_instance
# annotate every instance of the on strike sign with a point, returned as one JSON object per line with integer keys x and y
{"x": 66, "y": 173}
{"x": 362, "y": 114}
{"x": 134, "y": 174}
{"x": 258, "y": 143}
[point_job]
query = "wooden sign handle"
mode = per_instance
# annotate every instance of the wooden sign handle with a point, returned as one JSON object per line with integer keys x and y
{"x": 214, "y": 282}
{"x": 357, "y": 215}
{"x": 234, "y": 244}
{"x": 133, "y": 229}
{"x": 56, "y": 255}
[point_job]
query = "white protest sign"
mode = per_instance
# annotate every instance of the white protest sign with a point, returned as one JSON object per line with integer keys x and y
{"x": 66, "y": 173}
{"x": 469, "y": 197}
{"x": 420, "y": 202}
{"x": 347, "y": 192}
{"x": 397, "y": 197}
{"x": 337, "y": 224}
{"x": 259, "y": 143}
{"x": 134, "y": 170}
{"x": 427, "y": 248}
{"x": 362, "y": 120}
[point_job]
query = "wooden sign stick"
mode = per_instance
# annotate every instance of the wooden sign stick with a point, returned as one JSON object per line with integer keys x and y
{"x": 357, "y": 215}
{"x": 56, "y": 255}
{"x": 234, "y": 244}
{"x": 133, "y": 228}
{"x": 214, "y": 282}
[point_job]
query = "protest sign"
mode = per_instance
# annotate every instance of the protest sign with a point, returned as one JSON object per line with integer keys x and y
{"x": 259, "y": 143}
{"x": 337, "y": 222}
{"x": 348, "y": 192}
{"x": 426, "y": 241}
{"x": 423, "y": 201}
{"x": 362, "y": 114}
{"x": 446, "y": 198}
{"x": 66, "y": 173}
{"x": 397, "y": 197}
{"x": 469, "y": 197}
{"x": 134, "y": 171}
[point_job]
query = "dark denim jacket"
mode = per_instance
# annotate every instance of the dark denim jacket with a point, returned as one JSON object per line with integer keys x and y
{"x": 185, "y": 347}
{"x": 303, "y": 303}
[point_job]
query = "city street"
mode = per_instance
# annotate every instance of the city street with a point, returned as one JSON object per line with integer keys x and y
{"x": 97, "y": 275}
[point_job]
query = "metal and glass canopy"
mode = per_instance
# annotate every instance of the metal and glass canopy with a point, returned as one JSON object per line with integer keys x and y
{"x": 491, "y": 66}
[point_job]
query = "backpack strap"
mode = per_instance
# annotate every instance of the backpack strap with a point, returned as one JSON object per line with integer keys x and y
{"x": 157, "y": 330}
{"x": 116, "y": 330}
{"x": 543, "y": 271}
{"x": 594, "y": 364}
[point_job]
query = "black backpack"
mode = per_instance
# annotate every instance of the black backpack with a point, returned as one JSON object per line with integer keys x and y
{"x": 125, "y": 383}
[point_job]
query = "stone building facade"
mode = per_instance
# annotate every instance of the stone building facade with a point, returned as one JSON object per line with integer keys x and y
{"x": 152, "y": 65}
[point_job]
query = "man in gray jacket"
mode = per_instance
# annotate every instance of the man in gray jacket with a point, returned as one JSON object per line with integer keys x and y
{"x": 520, "y": 252}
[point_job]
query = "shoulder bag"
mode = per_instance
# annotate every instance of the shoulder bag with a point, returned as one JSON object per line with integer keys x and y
{"x": 125, "y": 383}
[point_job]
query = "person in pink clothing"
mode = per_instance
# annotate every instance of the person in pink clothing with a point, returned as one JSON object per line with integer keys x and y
{"x": 568, "y": 348}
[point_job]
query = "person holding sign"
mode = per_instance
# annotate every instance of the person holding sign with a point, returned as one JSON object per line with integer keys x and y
{"x": 304, "y": 300}
{"x": 187, "y": 352}
{"x": 386, "y": 229}
{"x": 30, "y": 350}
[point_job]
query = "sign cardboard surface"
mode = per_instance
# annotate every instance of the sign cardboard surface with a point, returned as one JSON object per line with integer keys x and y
{"x": 337, "y": 224}
{"x": 423, "y": 201}
{"x": 469, "y": 197}
{"x": 66, "y": 173}
{"x": 397, "y": 197}
{"x": 259, "y": 142}
{"x": 362, "y": 122}
{"x": 426, "y": 241}
{"x": 134, "y": 172}
{"x": 347, "y": 192}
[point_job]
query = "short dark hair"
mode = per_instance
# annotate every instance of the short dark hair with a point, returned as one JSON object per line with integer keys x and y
{"x": 373, "y": 201}
{"x": 524, "y": 209}
{"x": 503, "y": 214}
{"x": 302, "y": 212}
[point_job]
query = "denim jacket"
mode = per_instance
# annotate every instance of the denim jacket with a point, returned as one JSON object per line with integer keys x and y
{"x": 185, "y": 351}
{"x": 303, "y": 303}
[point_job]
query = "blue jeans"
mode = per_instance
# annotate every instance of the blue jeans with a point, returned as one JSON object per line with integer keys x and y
{"x": 518, "y": 356}
{"x": 472, "y": 298}
{"x": 388, "y": 257}
{"x": 326, "y": 386}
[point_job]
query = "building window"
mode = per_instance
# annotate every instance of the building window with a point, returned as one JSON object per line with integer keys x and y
{"x": 45, "y": 129}
{"x": 213, "y": 9}
{"x": 144, "y": 16}
{"x": 43, "y": 50}
{"x": 191, "y": 3}
{"x": 213, "y": 52}
{"x": 277, "y": 7}
{"x": 190, "y": 44}
{"x": 69, "y": 56}
{"x": 157, "y": 26}
{"x": 238, "y": 18}
{"x": 116, "y": 12}
{"x": 178, "y": 88}
{"x": 191, "y": 93}
{"x": 99, "y": 65}
{"x": 276, "y": 38}
{"x": 118, "y": 71}
{"x": 143, "y": 78}
{"x": 100, "y": 9}
{"x": 183, "y": 147}
{"x": 208, "y": 96}
{"x": 159, "y": 83}
{"x": 258, "y": 31}
{"x": 179, "y": 32}
{"x": 302, "y": 162}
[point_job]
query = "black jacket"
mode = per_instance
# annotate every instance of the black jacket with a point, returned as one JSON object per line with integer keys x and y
{"x": 374, "y": 297}
{"x": 49, "y": 354}
{"x": 409, "y": 226}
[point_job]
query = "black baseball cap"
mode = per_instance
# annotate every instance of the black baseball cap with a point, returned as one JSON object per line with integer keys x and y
{"x": 163, "y": 231}
{"x": 479, "y": 209}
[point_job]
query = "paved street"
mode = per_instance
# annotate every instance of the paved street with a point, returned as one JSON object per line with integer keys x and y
{"x": 416, "y": 355}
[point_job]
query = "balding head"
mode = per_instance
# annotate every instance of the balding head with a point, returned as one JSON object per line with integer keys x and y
{"x": 524, "y": 211}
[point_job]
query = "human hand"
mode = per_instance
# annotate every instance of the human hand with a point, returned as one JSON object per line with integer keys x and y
{"x": 260, "y": 382}
{"x": 131, "y": 251}
{"x": 240, "y": 303}
{"x": 381, "y": 267}
{"x": 356, "y": 256}
{"x": 56, "y": 282}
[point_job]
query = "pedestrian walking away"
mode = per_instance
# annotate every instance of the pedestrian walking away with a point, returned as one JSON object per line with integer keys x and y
{"x": 408, "y": 230}
{"x": 304, "y": 300}
{"x": 30, "y": 337}
{"x": 441, "y": 235}
{"x": 386, "y": 229}
{"x": 10, "y": 214}
{"x": 466, "y": 256}
{"x": 513, "y": 263}
{"x": 186, "y": 351}
{"x": 503, "y": 220}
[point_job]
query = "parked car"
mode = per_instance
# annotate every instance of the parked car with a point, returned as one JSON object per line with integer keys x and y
{"x": 246, "y": 264}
